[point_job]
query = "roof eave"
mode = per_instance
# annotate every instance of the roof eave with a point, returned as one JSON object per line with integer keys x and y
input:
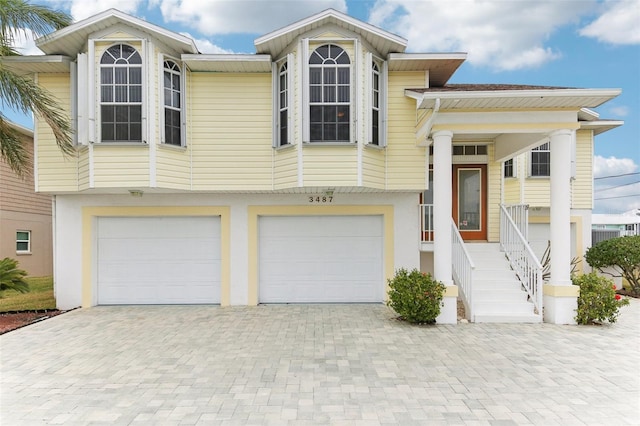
{"x": 37, "y": 63}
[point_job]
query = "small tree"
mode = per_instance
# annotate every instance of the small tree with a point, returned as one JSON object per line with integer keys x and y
{"x": 621, "y": 254}
{"x": 12, "y": 278}
{"x": 415, "y": 296}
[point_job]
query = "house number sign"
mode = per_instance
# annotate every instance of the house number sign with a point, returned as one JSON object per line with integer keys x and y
{"x": 320, "y": 199}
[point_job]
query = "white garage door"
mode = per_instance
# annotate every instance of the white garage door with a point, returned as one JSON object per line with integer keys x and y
{"x": 321, "y": 259}
{"x": 158, "y": 260}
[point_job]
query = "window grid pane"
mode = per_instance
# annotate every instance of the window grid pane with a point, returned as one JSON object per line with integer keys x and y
{"x": 172, "y": 104}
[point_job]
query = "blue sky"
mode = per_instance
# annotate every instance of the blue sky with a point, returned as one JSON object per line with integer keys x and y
{"x": 570, "y": 43}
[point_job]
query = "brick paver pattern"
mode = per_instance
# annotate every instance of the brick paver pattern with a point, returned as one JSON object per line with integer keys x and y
{"x": 314, "y": 364}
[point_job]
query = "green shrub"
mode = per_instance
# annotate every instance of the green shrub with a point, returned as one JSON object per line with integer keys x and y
{"x": 12, "y": 278}
{"x": 622, "y": 254}
{"x": 598, "y": 301}
{"x": 415, "y": 296}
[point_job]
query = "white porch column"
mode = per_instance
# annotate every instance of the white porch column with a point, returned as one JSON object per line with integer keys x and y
{"x": 560, "y": 297}
{"x": 442, "y": 206}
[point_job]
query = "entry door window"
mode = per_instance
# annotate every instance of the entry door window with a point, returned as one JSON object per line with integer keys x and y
{"x": 469, "y": 199}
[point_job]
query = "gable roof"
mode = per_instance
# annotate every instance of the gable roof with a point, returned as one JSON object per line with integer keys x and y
{"x": 276, "y": 41}
{"x": 70, "y": 40}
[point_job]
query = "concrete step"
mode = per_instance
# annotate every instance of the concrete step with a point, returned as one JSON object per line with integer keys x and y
{"x": 496, "y": 274}
{"x": 507, "y": 319}
{"x": 502, "y": 297}
{"x": 502, "y": 308}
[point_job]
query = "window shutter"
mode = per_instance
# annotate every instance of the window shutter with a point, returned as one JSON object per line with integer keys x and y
{"x": 368, "y": 97}
{"x": 305, "y": 89}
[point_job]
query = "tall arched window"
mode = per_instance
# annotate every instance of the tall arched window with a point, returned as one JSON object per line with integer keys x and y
{"x": 329, "y": 94}
{"x": 121, "y": 94}
{"x": 172, "y": 104}
{"x": 283, "y": 105}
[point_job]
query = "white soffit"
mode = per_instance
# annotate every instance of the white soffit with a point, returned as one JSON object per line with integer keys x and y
{"x": 228, "y": 63}
{"x": 276, "y": 41}
{"x": 71, "y": 40}
{"x": 544, "y": 98}
{"x": 37, "y": 63}
{"x": 441, "y": 66}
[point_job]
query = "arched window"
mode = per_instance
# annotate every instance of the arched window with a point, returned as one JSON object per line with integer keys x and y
{"x": 329, "y": 94}
{"x": 172, "y": 104}
{"x": 121, "y": 94}
{"x": 283, "y": 105}
{"x": 375, "y": 104}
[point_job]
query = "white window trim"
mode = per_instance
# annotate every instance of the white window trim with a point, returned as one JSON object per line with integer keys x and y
{"x": 183, "y": 110}
{"x": 95, "y": 116}
{"x": 305, "y": 104}
{"x": 514, "y": 168}
{"x": 28, "y": 241}
{"x": 275, "y": 72}
{"x": 536, "y": 149}
{"x": 574, "y": 147}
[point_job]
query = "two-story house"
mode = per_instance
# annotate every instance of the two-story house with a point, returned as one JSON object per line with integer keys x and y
{"x": 307, "y": 172}
{"x": 25, "y": 216}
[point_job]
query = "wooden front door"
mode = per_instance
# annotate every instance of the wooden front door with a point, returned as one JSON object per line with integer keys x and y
{"x": 470, "y": 200}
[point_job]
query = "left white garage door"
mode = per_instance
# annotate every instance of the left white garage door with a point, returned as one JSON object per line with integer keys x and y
{"x": 158, "y": 260}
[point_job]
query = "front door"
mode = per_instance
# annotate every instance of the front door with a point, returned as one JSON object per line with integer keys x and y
{"x": 470, "y": 200}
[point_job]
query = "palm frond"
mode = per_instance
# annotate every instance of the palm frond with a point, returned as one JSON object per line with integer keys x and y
{"x": 19, "y": 15}
{"x": 12, "y": 151}
{"x": 12, "y": 278}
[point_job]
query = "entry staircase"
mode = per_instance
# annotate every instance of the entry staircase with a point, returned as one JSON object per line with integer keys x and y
{"x": 498, "y": 282}
{"x": 498, "y": 294}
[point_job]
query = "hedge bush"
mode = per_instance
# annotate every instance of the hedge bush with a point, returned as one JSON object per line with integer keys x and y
{"x": 598, "y": 301}
{"x": 415, "y": 296}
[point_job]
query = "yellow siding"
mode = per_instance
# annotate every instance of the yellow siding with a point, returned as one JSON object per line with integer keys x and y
{"x": 231, "y": 131}
{"x": 83, "y": 168}
{"x": 373, "y": 173}
{"x": 494, "y": 171}
{"x": 536, "y": 192}
{"x": 285, "y": 174}
{"x": 120, "y": 166}
{"x": 55, "y": 171}
{"x": 330, "y": 165}
{"x": 582, "y": 185}
{"x": 512, "y": 185}
{"x": 172, "y": 168}
{"x": 405, "y": 161}
{"x": 119, "y": 35}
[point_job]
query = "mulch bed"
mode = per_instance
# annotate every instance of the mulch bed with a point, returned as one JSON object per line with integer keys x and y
{"x": 10, "y": 321}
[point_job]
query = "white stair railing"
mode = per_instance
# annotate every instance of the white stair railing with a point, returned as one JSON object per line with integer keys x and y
{"x": 462, "y": 269}
{"x": 523, "y": 261}
{"x": 520, "y": 215}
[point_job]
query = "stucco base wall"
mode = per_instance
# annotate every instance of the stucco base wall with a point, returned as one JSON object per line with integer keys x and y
{"x": 75, "y": 268}
{"x": 449, "y": 311}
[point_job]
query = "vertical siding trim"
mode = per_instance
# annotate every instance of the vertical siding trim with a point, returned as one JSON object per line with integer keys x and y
{"x": 35, "y": 146}
{"x": 83, "y": 85}
{"x": 92, "y": 100}
{"x": 153, "y": 143}
{"x": 73, "y": 101}
{"x": 304, "y": 67}
{"x": 275, "y": 96}
{"x": 290, "y": 97}
{"x": 384, "y": 88}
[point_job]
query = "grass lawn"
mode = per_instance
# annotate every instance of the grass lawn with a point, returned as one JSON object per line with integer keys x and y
{"x": 40, "y": 296}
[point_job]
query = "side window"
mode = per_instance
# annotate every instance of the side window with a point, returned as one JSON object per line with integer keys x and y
{"x": 172, "y": 104}
{"x": 283, "y": 104}
{"x": 509, "y": 168}
{"x": 23, "y": 241}
{"x": 541, "y": 160}
{"x": 121, "y": 94}
{"x": 375, "y": 104}
{"x": 329, "y": 95}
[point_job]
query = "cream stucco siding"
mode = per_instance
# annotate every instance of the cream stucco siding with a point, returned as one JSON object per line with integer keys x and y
{"x": 230, "y": 128}
{"x": 56, "y": 172}
{"x": 405, "y": 161}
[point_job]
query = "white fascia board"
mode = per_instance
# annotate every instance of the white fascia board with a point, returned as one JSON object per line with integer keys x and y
{"x": 600, "y": 126}
{"x": 113, "y": 13}
{"x": 427, "y": 56}
{"x": 38, "y": 63}
{"x": 226, "y": 57}
{"x": 330, "y": 13}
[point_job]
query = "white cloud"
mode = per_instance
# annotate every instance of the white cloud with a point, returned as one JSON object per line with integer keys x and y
{"x": 616, "y": 194}
{"x": 619, "y": 111}
{"x": 234, "y": 17}
{"x": 81, "y": 9}
{"x": 618, "y": 24}
{"x": 205, "y": 46}
{"x": 504, "y": 35}
{"x": 24, "y": 43}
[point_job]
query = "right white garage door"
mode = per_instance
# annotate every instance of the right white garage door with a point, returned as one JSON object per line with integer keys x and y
{"x": 321, "y": 259}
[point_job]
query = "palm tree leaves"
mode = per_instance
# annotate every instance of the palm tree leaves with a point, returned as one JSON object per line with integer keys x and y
{"x": 21, "y": 92}
{"x": 12, "y": 278}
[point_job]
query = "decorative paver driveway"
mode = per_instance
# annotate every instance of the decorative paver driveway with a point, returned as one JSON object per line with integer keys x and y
{"x": 318, "y": 364}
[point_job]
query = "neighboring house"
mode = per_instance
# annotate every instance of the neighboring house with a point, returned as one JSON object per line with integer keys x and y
{"x": 25, "y": 217}
{"x": 607, "y": 226}
{"x": 305, "y": 173}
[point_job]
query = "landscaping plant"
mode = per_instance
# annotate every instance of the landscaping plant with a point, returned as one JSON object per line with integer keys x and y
{"x": 12, "y": 278}
{"x": 598, "y": 301}
{"x": 415, "y": 296}
{"x": 622, "y": 254}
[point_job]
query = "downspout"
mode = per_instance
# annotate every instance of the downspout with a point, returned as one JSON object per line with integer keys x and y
{"x": 429, "y": 125}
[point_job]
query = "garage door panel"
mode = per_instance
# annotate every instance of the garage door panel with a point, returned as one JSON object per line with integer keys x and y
{"x": 154, "y": 260}
{"x": 331, "y": 259}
